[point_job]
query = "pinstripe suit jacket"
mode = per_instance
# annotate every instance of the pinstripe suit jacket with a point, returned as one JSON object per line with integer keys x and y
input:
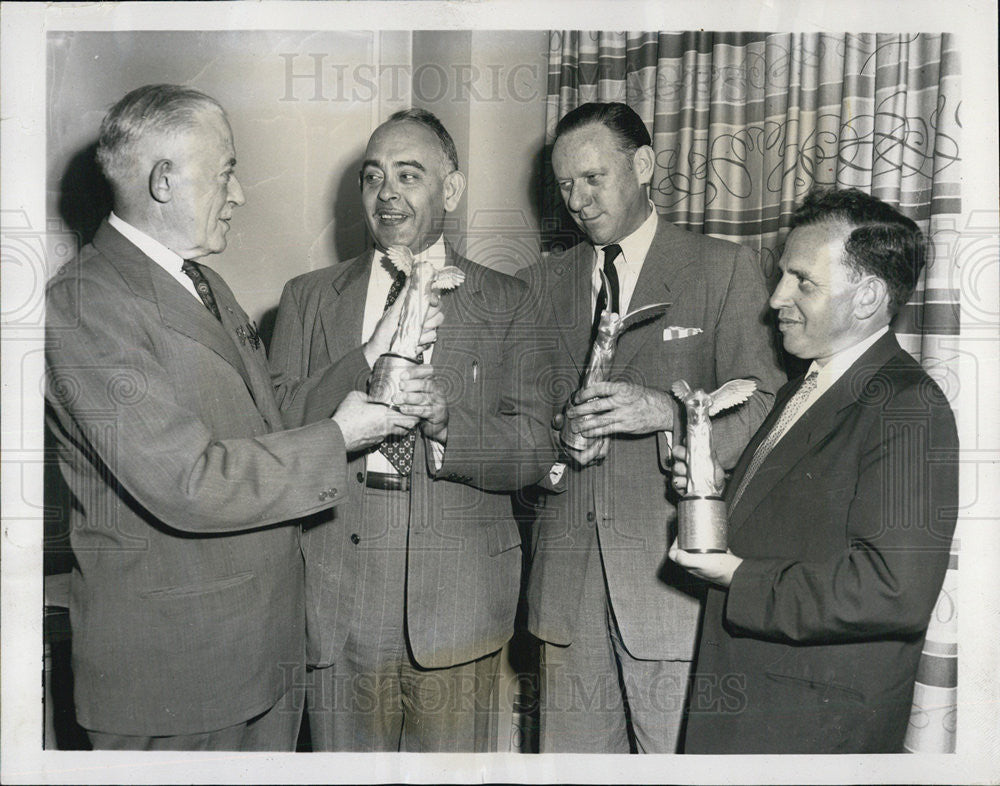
{"x": 464, "y": 560}
{"x": 187, "y": 599}
{"x": 845, "y": 532}
{"x": 622, "y": 506}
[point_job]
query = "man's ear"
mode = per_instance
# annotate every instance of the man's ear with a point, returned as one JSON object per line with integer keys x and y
{"x": 643, "y": 161}
{"x": 159, "y": 180}
{"x": 454, "y": 187}
{"x": 871, "y": 295}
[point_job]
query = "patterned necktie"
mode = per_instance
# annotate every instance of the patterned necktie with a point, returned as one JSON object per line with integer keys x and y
{"x": 610, "y": 254}
{"x": 398, "y": 449}
{"x": 201, "y": 286}
{"x": 777, "y": 431}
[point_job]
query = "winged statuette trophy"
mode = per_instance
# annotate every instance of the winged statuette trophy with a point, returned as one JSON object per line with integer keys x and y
{"x": 701, "y": 513}
{"x": 422, "y": 281}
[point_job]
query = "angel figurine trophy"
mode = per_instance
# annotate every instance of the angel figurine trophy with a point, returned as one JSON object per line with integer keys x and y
{"x": 422, "y": 280}
{"x": 602, "y": 354}
{"x": 701, "y": 513}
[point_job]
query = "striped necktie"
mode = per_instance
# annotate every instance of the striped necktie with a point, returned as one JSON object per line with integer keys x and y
{"x": 777, "y": 431}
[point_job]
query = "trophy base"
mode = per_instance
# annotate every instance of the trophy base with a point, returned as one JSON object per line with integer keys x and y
{"x": 383, "y": 384}
{"x": 702, "y": 525}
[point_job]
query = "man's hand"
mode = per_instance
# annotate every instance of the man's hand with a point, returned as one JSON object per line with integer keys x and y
{"x": 717, "y": 568}
{"x": 381, "y": 337}
{"x": 421, "y": 396}
{"x": 595, "y": 452}
{"x": 679, "y": 469}
{"x": 364, "y": 423}
{"x": 620, "y": 408}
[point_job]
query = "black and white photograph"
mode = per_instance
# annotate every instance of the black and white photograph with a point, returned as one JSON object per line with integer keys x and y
{"x": 447, "y": 391}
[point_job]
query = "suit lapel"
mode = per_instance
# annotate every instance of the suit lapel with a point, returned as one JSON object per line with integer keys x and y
{"x": 821, "y": 419}
{"x": 570, "y": 295}
{"x": 342, "y": 315}
{"x": 655, "y": 284}
{"x": 455, "y": 314}
{"x": 179, "y": 310}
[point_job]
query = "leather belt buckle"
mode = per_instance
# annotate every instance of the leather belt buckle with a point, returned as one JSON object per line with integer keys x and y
{"x": 386, "y": 481}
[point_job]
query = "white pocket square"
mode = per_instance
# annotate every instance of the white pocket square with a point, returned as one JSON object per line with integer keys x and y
{"x": 675, "y": 331}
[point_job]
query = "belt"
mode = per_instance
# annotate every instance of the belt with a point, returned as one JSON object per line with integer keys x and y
{"x": 387, "y": 481}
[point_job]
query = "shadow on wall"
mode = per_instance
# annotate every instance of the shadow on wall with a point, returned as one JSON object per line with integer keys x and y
{"x": 350, "y": 233}
{"x": 85, "y": 197}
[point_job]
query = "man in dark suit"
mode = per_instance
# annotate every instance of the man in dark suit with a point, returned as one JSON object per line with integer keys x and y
{"x": 412, "y": 584}
{"x": 617, "y": 625}
{"x": 186, "y": 601}
{"x": 841, "y": 509}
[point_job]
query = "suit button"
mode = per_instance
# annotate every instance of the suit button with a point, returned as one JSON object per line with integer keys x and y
{"x": 591, "y": 516}
{"x": 355, "y": 539}
{"x": 361, "y": 477}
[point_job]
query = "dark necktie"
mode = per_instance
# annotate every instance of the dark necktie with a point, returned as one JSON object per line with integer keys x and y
{"x": 398, "y": 449}
{"x": 610, "y": 254}
{"x": 201, "y": 286}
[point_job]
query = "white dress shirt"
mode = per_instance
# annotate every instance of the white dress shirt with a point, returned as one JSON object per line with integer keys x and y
{"x": 833, "y": 370}
{"x": 155, "y": 250}
{"x": 628, "y": 263}
{"x": 379, "y": 284}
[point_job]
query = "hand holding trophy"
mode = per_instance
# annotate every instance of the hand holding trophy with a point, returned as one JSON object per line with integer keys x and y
{"x": 422, "y": 282}
{"x": 701, "y": 513}
{"x": 610, "y": 328}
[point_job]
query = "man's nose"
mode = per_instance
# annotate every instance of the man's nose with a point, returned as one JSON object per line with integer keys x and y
{"x": 388, "y": 190}
{"x": 234, "y": 192}
{"x": 780, "y": 296}
{"x": 579, "y": 198}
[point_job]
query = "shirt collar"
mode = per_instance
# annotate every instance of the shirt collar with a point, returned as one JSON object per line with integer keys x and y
{"x": 634, "y": 246}
{"x": 843, "y": 360}
{"x": 152, "y": 248}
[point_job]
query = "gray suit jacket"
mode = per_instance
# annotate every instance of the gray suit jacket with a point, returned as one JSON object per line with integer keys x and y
{"x": 623, "y": 506}
{"x": 464, "y": 561}
{"x": 186, "y": 603}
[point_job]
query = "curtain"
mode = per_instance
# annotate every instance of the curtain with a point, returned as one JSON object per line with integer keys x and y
{"x": 743, "y": 125}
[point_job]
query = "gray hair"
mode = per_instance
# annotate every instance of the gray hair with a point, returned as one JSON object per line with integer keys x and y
{"x": 151, "y": 109}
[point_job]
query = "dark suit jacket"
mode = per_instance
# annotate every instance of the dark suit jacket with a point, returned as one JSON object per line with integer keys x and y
{"x": 464, "y": 561}
{"x": 845, "y": 532}
{"x": 622, "y": 506}
{"x": 186, "y": 607}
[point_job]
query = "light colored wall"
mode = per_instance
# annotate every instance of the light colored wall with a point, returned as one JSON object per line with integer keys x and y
{"x": 302, "y": 106}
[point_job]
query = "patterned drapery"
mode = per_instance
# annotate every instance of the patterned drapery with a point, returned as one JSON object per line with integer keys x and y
{"x": 744, "y": 124}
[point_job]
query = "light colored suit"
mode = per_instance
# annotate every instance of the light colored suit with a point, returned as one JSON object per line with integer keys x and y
{"x": 845, "y": 532}
{"x": 620, "y": 514}
{"x": 186, "y": 603}
{"x": 462, "y": 546}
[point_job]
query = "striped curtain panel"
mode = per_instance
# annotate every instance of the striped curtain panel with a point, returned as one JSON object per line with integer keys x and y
{"x": 743, "y": 125}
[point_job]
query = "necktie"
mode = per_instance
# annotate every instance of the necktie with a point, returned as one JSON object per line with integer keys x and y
{"x": 201, "y": 286}
{"x": 764, "y": 448}
{"x": 398, "y": 449}
{"x": 611, "y": 253}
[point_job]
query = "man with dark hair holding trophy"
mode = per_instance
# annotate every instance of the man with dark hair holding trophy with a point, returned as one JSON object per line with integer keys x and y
{"x": 840, "y": 511}
{"x": 412, "y": 585}
{"x": 617, "y": 624}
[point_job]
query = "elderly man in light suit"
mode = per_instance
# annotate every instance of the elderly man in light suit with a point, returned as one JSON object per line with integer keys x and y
{"x": 841, "y": 509}
{"x": 412, "y": 585}
{"x": 186, "y": 601}
{"x": 617, "y": 624}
